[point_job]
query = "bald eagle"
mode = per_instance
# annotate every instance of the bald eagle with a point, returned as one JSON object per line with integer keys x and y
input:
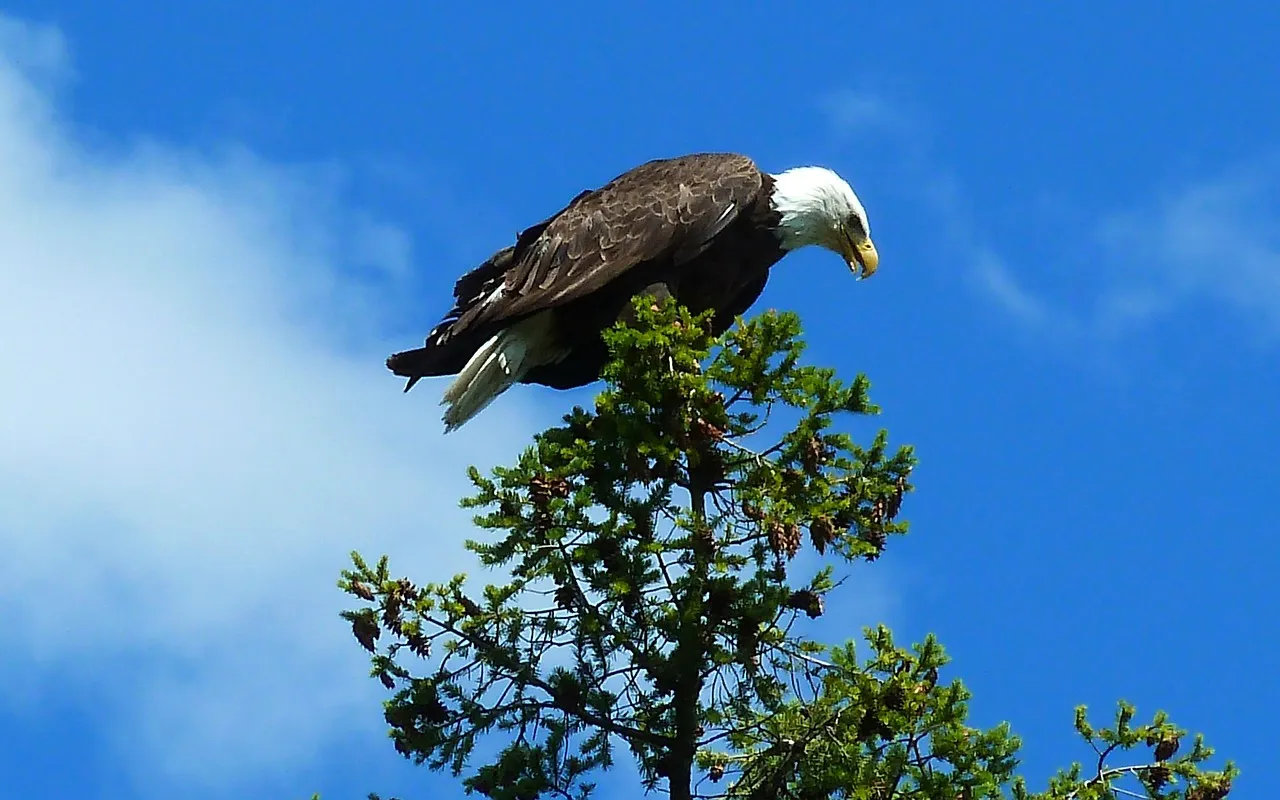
{"x": 703, "y": 229}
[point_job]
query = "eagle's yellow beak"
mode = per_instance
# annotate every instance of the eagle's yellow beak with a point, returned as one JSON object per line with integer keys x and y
{"x": 860, "y": 254}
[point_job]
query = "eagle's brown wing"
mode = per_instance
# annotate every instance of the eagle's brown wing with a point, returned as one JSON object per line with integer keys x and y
{"x": 668, "y": 210}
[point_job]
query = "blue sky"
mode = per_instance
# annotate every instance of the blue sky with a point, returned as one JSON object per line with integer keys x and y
{"x": 217, "y": 219}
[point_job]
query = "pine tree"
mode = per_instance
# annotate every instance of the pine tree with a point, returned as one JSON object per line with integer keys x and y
{"x": 655, "y": 602}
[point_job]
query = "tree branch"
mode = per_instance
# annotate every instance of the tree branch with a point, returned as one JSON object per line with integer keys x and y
{"x": 532, "y": 679}
{"x": 1107, "y": 775}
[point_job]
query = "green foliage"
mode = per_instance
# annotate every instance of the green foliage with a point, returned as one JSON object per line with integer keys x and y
{"x": 652, "y": 601}
{"x": 1162, "y": 776}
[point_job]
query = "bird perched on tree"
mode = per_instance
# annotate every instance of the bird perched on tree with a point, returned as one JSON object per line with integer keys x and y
{"x": 704, "y": 229}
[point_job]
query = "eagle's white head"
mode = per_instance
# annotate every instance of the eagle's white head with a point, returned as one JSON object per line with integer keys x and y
{"x": 819, "y": 207}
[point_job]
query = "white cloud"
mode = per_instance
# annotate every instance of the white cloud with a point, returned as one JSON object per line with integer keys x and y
{"x": 195, "y": 428}
{"x": 1212, "y": 246}
{"x": 1216, "y": 241}
{"x": 994, "y": 277}
{"x": 856, "y": 112}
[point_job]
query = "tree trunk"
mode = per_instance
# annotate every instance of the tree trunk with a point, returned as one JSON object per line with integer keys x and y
{"x": 689, "y": 656}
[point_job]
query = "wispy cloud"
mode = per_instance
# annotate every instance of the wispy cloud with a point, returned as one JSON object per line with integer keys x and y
{"x": 1212, "y": 244}
{"x": 853, "y": 112}
{"x": 998, "y": 282}
{"x": 1211, "y": 247}
{"x": 195, "y": 428}
{"x": 1217, "y": 241}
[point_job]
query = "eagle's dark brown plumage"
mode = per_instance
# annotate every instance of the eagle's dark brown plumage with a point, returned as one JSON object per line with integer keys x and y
{"x": 702, "y": 228}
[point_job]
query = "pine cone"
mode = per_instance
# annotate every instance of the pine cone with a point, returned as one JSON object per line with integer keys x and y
{"x": 566, "y": 597}
{"x": 822, "y": 532}
{"x": 784, "y": 539}
{"x": 879, "y": 510}
{"x": 1166, "y": 747}
{"x": 931, "y": 677}
{"x": 539, "y": 491}
{"x": 706, "y": 430}
{"x": 418, "y": 645}
{"x": 391, "y": 611}
{"x": 1157, "y": 777}
{"x": 1209, "y": 791}
{"x": 875, "y": 537}
{"x": 814, "y": 455}
{"x": 366, "y": 631}
{"x": 810, "y": 602}
{"x": 894, "y": 503}
{"x": 542, "y": 489}
{"x": 706, "y": 539}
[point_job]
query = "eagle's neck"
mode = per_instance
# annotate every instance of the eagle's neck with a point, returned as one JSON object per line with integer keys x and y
{"x": 810, "y": 203}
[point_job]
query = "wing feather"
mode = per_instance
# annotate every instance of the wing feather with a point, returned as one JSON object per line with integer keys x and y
{"x": 665, "y": 210}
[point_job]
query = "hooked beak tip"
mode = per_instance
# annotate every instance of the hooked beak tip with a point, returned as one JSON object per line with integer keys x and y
{"x": 867, "y": 258}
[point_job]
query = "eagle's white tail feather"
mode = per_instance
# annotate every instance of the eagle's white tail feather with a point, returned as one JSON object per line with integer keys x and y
{"x": 498, "y": 365}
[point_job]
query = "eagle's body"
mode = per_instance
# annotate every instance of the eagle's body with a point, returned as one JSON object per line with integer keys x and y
{"x": 704, "y": 229}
